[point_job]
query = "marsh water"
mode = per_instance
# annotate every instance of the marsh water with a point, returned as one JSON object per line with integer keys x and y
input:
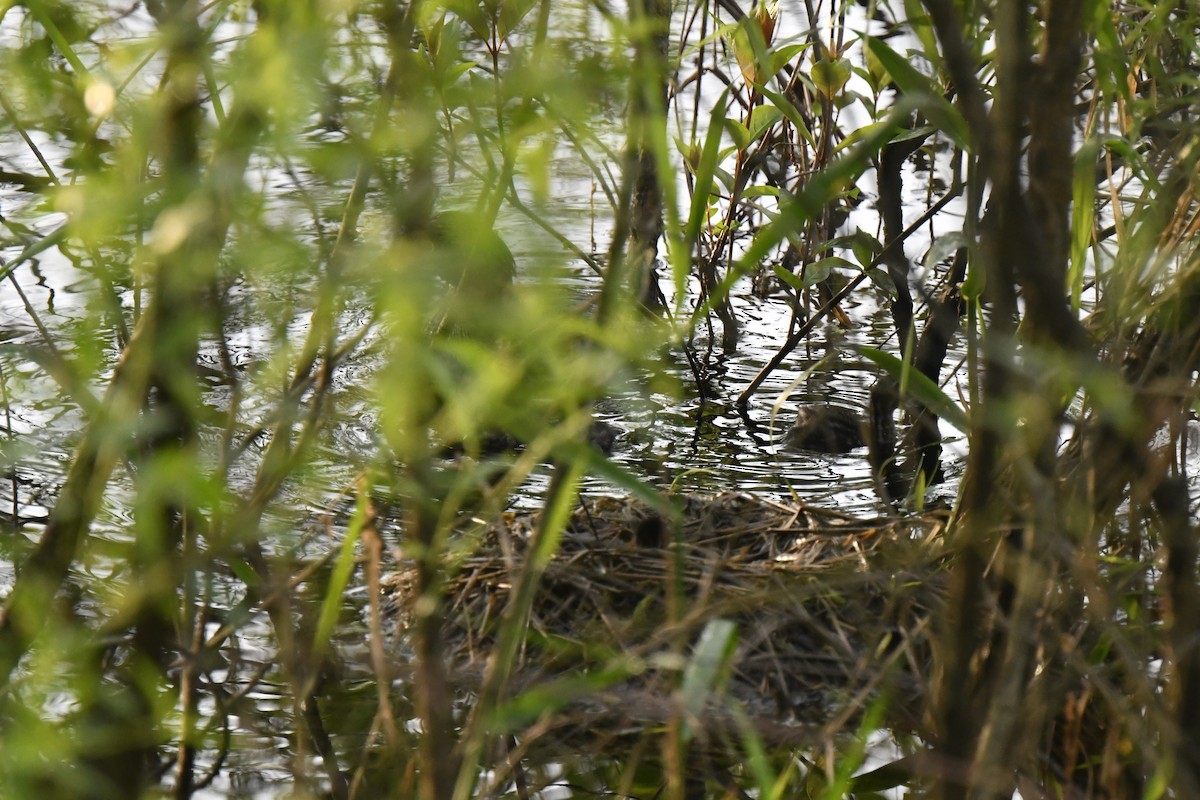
{"x": 672, "y": 437}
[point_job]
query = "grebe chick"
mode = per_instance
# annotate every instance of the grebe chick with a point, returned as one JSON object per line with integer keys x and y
{"x": 825, "y": 429}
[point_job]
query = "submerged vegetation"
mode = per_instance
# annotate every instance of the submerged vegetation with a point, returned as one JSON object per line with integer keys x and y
{"x": 271, "y": 377}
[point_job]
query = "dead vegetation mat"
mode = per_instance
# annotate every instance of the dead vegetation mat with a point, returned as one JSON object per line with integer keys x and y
{"x": 830, "y": 612}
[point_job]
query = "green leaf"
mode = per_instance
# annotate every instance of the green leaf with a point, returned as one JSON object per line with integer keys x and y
{"x": 922, "y": 92}
{"x": 818, "y": 271}
{"x": 1083, "y": 217}
{"x": 535, "y": 158}
{"x": 707, "y": 667}
{"x": 750, "y": 50}
{"x": 890, "y": 776}
{"x": 876, "y": 73}
{"x": 865, "y": 247}
{"x": 943, "y": 247}
{"x": 1109, "y": 53}
{"x": 738, "y": 132}
{"x": 789, "y": 110}
{"x": 976, "y": 282}
{"x": 920, "y": 24}
{"x": 42, "y": 14}
{"x": 838, "y": 177}
{"x": 689, "y": 151}
{"x": 705, "y": 170}
{"x": 457, "y": 71}
{"x": 331, "y": 604}
{"x": 918, "y": 385}
{"x": 760, "y": 191}
{"x": 908, "y": 134}
{"x": 545, "y": 698}
{"x": 623, "y": 478}
{"x": 851, "y": 757}
{"x": 907, "y": 78}
{"x": 946, "y": 118}
{"x": 830, "y": 76}
{"x": 471, "y": 13}
{"x": 723, "y": 175}
{"x": 788, "y": 277}
{"x": 770, "y": 786}
{"x": 781, "y": 56}
{"x": 882, "y": 281}
{"x": 511, "y": 14}
{"x": 762, "y": 118}
{"x": 881, "y": 131}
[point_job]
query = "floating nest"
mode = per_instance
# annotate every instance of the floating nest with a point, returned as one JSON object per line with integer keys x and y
{"x": 829, "y": 611}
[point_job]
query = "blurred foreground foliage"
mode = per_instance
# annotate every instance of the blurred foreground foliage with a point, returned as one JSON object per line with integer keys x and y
{"x": 275, "y": 223}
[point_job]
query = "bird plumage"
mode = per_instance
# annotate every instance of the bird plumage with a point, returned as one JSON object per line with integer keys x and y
{"x": 825, "y": 429}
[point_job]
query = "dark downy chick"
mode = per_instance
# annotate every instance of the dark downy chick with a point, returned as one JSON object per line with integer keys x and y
{"x": 826, "y": 429}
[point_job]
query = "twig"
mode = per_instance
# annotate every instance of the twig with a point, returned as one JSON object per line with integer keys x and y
{"x": 373, "y": 545}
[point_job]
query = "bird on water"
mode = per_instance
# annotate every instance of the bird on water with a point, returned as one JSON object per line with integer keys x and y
{"x": 479, "y": 268}
{"x": 825, "y": 428}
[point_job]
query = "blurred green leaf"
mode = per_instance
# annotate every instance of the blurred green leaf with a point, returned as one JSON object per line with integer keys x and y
{"x": 919, "y": 386}
{"x": 708, "y": 667}
{"x": 511, "y": 14}
{"x": 787, "y": 276}
{"x": 770, "y": 786}
{"x": 760, "y": 191}
{"x": 709, "y": 157}
{"x": 907, "y": 78}
{"x": 923, "y": 92}
{"x": 474, "y": 14}
{"x": 819, "y": 270}
{"x": 1083, "y": 217}
{"x": 943, "y": 247}
{"x": 553, "y": 695}
{"x": 882, "y": 281}
{"x": 880, "y": 131}
{"x": 876, "y": 73}
{"x": 892, "y": 775}
{"x": 331, "y": 604}
{"x": 920, "y": 24}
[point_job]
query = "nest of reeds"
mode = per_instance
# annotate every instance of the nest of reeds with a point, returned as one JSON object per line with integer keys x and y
{"x": 829, "y": 610}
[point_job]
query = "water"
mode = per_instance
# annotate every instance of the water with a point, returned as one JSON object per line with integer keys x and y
{"x": 687, "y": 444}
